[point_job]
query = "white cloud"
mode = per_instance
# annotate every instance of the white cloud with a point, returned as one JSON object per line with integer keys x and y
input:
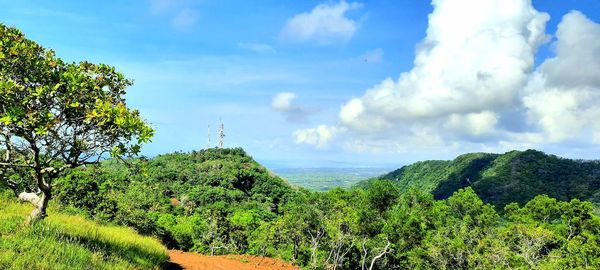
{"x": 576, "y": 63}
{"x": 417, "y": 138}
{"x": 374, "y": 56}
{"x": 472, "y": 60}
{"x": 474, "y": 84}
{"x": 351, "y": 110}
{"x": 318, "y": 136}
{"x": 256, "y": 47}
{"x": 563, "y": 96}
{"x": 597, "y": 138}
{"x": 468, "y": 72}
{"x": 283, "y": 103}
{"x": 325, "y": 24}
{"x": 184, "y": 18}
{"x": 473, "y": 124}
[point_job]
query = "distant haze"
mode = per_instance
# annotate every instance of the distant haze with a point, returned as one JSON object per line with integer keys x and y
{"x": 327, "y": 178}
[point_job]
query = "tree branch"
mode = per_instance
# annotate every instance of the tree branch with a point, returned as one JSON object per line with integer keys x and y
{"x": 385, "y": 251}
{"x": 12, "y": 185}
{"x": 13, "y": 165}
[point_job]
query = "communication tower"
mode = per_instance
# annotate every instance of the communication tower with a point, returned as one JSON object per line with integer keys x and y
{"x": 208, "y": 134}
{"x": 221, "y": 135}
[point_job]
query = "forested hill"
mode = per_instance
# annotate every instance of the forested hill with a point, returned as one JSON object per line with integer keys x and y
{"x": 205, "y": 201}
{"x": 220, "y": 201}
{"x": 516, "y": 176}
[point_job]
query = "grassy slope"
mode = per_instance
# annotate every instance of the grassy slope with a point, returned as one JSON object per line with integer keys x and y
{"x": 516, "y": 176}
{"x": 71, "y": 242}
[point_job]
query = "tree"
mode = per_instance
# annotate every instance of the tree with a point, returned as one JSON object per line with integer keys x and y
{"x": 55, "y": 116}
{"x": 382, "y": 194}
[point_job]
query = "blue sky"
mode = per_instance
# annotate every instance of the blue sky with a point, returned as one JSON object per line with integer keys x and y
{"x": 285, "y": 76}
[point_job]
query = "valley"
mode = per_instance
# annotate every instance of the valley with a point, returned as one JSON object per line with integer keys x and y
{"x": 323, "y": 179}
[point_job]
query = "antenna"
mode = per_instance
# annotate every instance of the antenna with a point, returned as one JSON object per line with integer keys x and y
{"x": 221, "y": 135}
{"x": 208, "y": 145}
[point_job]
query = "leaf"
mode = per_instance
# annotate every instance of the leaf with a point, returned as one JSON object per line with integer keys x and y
{"x": 6, "y": 120}
{"x": 41, "y": 131}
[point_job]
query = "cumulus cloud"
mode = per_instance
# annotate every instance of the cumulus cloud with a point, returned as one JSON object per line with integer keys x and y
{"x": 474, "y": 83}
{"x": 283, "y": 103}
{"x": 473, "y": 124}
{"x": 256, "y": 47}
{"x": 326, "y": 23}
{"x": 415, "y": 138}
{"x": 472, "y": 60}
{"x": 374, "y": 56}
{"x": 318, "y": 136}
{"x": 563, "y": 95}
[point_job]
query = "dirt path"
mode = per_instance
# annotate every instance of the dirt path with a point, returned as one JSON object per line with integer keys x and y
{"x": 194, "y": 261}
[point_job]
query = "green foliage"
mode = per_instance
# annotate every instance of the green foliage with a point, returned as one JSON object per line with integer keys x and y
{"x": 72, "y": 242}
{"x": 220, "y": 201}
{"x": 55, "y": 116}
{"x": 381, "y": 194}
{"x": 502, "y": 179}
{"x": 520, "y": 176}
{"x": 429, "y": 175}
{"x": 42, "y": 95}
{"x": 208, "y": 201}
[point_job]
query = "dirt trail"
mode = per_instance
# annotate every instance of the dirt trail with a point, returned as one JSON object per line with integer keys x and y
{"x": 194, "y": 261}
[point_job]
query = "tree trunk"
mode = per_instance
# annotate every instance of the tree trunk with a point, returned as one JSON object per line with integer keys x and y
{"x": 40, "y": 202}
{"x": 296, "y": 247}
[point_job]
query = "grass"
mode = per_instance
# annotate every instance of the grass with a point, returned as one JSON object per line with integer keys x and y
{"x": 64, "y": 241}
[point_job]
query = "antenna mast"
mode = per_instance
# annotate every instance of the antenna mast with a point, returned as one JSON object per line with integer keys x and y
{"x": 208, "y": 145}
{"x": 221, "y": 135}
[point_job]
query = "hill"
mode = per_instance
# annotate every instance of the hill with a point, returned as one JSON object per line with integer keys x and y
{"x": 65, "y": 241}
{"x": 499, "y": 179}
{"x": 207, "y": 201}
{"x": 222, "y": 202}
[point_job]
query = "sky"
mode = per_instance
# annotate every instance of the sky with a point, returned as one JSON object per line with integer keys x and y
{"x": 344, "y": 83}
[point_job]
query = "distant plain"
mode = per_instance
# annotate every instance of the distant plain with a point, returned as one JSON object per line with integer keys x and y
{"x": 323, "y": 179}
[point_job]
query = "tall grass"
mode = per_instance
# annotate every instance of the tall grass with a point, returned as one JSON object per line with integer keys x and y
{"x": 71, "y": 242}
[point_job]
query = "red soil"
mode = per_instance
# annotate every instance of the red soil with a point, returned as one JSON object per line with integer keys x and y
{"x": 194, "y": 261}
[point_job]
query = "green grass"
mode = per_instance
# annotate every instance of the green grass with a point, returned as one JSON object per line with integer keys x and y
{"x": 71, "y": 242}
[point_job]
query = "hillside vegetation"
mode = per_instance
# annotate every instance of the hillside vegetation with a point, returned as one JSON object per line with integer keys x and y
{"x": 516, "y": 176}
{"x": 207, "y": 201}
{"x": 220, "y": 201}
{"x": 65, "y": 241}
